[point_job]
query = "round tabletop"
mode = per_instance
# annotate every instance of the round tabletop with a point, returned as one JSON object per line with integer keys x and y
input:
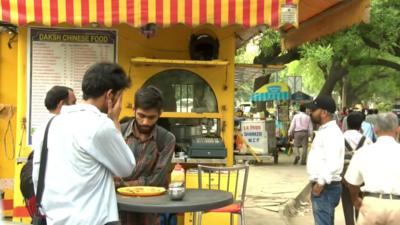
{"x": 195, "y": 200}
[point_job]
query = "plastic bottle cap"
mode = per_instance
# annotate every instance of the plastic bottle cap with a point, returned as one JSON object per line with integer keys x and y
{"x": 178, "y": 167}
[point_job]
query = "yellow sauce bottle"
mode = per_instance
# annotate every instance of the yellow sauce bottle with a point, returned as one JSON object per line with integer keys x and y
{"x": 178, "y": 175}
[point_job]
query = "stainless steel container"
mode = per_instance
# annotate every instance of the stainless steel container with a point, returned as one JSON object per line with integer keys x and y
{"x": 176, "y": 192}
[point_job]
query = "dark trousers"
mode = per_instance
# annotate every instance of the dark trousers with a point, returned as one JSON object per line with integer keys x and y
{"x": 324, "y": 205}
{"x": 350, "y": 213}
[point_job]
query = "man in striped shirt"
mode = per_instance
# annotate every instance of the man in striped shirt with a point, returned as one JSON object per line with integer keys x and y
{"x": 153, "y": 147}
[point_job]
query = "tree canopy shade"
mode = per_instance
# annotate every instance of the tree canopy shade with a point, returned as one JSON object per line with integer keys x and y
{"x": 362, "y": 62}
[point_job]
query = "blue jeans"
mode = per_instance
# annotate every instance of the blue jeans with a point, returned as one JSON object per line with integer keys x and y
{"x": 324, "y": 205}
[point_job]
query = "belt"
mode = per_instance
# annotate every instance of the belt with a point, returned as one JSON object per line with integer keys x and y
{"x": 301, "y": 131}
{"x": 332, "y": 183}
{"x": 382, "y": 196}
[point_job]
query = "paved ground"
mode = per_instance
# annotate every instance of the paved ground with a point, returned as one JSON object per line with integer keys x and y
{"x": 270, "y": 187}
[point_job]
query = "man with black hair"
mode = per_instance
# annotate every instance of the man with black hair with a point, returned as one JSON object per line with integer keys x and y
{"x": 354, "y": 140}
{"x": 325, "y": 161}
{"x": 153, "y": 147}
{"x": 58, "y": 96}
{"x": 85, "y": 150}
{"x": 301, "y": 129}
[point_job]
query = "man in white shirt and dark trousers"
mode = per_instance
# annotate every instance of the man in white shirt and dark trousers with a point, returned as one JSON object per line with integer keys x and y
{"x": 300, "y": 130}
{"x": 378, "y": 167}
{"x": 354, "y": 140}
{"x": 325, "y": 161}
{"x": 85, "y": 150}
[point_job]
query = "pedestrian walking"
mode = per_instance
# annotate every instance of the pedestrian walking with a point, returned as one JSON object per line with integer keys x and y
{"x": 354, "y": 140}
{"x": 300, "y": 130}
{"x": 377, "y": 167}
{"x": 325, "y": 161}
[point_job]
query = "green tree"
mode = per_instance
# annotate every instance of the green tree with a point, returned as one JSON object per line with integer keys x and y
{"x": 363, "y": 62}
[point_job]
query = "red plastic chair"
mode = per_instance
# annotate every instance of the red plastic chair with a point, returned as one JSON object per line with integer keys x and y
{"x": 234, "y": 174}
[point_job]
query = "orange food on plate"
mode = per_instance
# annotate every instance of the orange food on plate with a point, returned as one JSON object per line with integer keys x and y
{"x": 141, "y": 191}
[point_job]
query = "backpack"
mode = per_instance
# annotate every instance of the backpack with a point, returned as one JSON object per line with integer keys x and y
{"x": 349, "y": 151}
{"x": 26, "y": 185}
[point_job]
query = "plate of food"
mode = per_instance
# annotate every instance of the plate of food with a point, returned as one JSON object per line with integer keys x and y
{"x": 141, "y": 191}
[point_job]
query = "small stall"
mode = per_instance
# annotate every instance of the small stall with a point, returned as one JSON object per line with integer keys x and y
{"x": 264, "y": 135}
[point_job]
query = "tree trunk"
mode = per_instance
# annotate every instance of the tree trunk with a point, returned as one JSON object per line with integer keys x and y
{"x": 336, "y": 73}
{"x": 345, "y": 86}
{"x": 258, "y": 83}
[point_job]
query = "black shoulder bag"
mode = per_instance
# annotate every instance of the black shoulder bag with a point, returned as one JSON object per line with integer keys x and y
{"x": 39, "y": 219}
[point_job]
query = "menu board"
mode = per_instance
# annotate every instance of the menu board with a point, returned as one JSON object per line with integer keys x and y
{"x": 59, "y": 56}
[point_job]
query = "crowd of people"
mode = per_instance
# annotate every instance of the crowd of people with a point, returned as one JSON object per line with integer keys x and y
{"x": 352, "y": 159}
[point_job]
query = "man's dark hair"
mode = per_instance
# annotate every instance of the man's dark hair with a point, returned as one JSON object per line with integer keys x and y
{"x": 354, "y": 120}
{"x": 302, "y": 108}
{"x": 149, "y": 97}
{"x": 55, "y": 95}
{"x": 101, "y": 77}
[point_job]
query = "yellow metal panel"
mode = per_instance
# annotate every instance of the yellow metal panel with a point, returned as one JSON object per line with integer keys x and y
{"x": 21, "y": 113}
{"x": 8, "y": 95}
{"x": 175, "y": 62}
{"x": 190, "y": 115}
{"x": 211, "y": 218}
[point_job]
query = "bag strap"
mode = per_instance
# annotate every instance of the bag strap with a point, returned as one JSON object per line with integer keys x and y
{"x": 361, "y": 142}
{"x": 348, "y": 146}
{"x": 42, "y": 168}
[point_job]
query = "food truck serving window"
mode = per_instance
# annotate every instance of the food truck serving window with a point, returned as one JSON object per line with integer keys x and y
{"x": 184, "y": 91}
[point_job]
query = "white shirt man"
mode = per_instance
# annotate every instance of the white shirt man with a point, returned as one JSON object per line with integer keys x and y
{"x": 326, "y": 157}
{"x": 377, "y": 166}
{"x": 325, "y": 160}
{"x": 384, "y": 155}
{"x": 87, "y": 151}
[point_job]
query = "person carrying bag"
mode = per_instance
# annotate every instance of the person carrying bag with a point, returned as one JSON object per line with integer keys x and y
{"x": 38, "y": 218}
